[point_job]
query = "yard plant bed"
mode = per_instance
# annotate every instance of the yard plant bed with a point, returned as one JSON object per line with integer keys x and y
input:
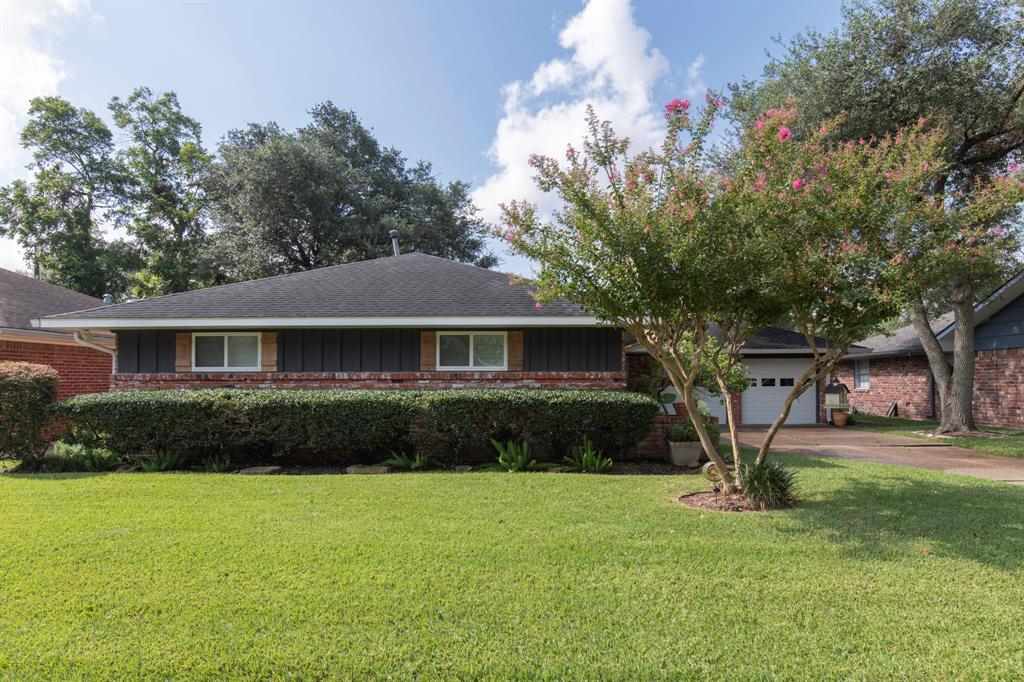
{"x": 713, "y": 501}
{"x": 993, "y": 440}
{"x": 880, "y": 572}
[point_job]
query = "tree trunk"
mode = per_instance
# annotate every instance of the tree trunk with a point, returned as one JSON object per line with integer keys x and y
{"x": 954, "y": 383}
{"x": 731, "y": 422}
{"x": 728, "y": 484}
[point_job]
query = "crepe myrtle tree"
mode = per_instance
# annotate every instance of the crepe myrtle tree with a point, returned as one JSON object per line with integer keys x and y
{"x": 827, "y": 213}
{"x": 693, "y": 254}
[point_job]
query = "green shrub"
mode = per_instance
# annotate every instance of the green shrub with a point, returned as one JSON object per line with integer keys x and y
{"x": 257, "y": 424}
{"x": 682, "y": 431}
{"x": 217, "y": 464}
{"x": 551, "y": 420}
{"x": 417, "y": 462}
{"x": 358, "y": 425}
{"x": 26, "y": 394}
{"x": 68, "y": 457}
{"x": 768, "y": 484}
{"x": 514, "y": 456}
{"x": 163, "y": 460}
{"x": 588, "y": 459}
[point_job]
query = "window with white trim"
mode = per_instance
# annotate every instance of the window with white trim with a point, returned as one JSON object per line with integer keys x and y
{"x": 472, "y": 350}
{"x": 236, "y": 351}
{"x": 862, "y": 374}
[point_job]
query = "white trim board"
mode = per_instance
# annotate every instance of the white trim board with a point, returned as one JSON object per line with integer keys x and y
{"x": 226, "y": 323}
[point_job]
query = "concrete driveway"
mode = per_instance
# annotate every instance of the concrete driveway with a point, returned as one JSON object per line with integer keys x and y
{"x": 829, "y": 441}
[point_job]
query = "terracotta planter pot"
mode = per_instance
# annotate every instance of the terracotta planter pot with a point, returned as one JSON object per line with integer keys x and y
{"x": 839, "y": 418}
{"x": 685, "y": 454}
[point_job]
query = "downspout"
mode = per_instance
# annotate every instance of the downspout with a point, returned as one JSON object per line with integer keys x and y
{"x": 83, "y": 337}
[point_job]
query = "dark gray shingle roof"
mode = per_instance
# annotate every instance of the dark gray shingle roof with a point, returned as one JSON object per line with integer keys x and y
{"x": 23, "y": 299}
{"x": 903, "y": 341}
{"x": 409, "y": 285}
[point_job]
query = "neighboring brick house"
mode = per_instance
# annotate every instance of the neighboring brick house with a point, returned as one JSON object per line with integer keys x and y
{"x": 22, "y": 299}
{"x": 405, "y": 321}
{"x": 895, "y": 371}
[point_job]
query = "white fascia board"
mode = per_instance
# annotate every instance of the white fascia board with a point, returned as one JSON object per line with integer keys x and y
{"x": 309, "y": 322}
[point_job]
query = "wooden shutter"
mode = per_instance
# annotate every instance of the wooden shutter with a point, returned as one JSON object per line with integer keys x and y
{"x": 515, "y": 351}
{"x": 428, "y": 351}
{"x": 268, "y": 351}
{"x": 183, "y": 352}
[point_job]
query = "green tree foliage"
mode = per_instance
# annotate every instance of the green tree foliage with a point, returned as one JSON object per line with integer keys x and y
{"x": 55, "y": 216}
{"x": 958, "y": 65}
{"x": 329, "y": 193}
{"x": 674, "y": 249}
{"x": 160, "y": 196}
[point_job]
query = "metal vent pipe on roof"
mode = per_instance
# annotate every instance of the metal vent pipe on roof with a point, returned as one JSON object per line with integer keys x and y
{"x": 394, "y": 242}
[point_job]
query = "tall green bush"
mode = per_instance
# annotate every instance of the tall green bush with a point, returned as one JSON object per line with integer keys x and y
{"x": 26, "y": 393}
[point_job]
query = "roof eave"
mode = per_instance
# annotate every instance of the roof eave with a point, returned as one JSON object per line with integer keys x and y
{"x": 446, "y": 322}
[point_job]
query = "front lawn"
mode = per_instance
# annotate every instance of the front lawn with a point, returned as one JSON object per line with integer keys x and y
{"x": 1000, "y": 441}
{"x": 882, "y": 572}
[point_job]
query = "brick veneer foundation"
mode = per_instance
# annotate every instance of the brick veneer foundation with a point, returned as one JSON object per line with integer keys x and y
{"x": 412, "y": 380}
{"x": 81, "y": 369}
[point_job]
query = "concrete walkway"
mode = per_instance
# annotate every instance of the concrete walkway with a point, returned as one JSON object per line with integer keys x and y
{"x": 828, "y": 441}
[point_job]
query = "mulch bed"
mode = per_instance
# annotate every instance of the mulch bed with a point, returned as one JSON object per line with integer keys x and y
{"x": 650, "y": 467}
{"x": 718, "y": 502}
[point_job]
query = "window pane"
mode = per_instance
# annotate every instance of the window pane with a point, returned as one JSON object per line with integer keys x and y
{"x": 488, "y": 350}
{"x": 768, "y": 382}
{"x": 453, "y": 350}
{"x": 243, "y": 351}
{"x": 209, "y": 351}
{"x": 785, "y": 381}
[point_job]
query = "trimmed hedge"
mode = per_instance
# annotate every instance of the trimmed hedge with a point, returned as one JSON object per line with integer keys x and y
{"x": 355, "y": 424}
{"x": 551, "y": 420}
{"x": 26, "y": 392}
{"x": 255, "y": 424}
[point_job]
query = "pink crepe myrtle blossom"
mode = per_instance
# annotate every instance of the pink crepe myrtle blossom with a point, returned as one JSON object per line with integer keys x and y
{"x": 630, "y": 185}
{"x": 797, "y": 184}
{"x": 784, "y": 134}
{"x": 1000, "y": 231}
{"x": 920, "y": 120}
{"x": 925, "y": 166}
{"x": 677, "y": 106}
{"x": 537, "y": 305}
{"x": 759, "y": 124}
{"x": 570, "y": 152}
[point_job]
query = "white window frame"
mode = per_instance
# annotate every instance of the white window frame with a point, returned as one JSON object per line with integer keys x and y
{"x": 857, "y": 372}
{"x": 224, "y": 367}
{"x": 472, "y": 336}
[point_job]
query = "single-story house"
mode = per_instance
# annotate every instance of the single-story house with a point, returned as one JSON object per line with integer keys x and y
{"x": 773, "y": 358}
{"x": 82, "y": 369}
{"x": 404, "y": 321}
{"x": 894, "y": 371}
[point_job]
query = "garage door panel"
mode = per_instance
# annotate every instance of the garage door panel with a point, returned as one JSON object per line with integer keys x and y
{"x": 771, "y": 382}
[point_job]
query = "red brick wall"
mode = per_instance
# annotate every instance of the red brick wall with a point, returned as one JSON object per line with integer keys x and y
{"x": 903, "y": 380}
{"x": 423, "y": 380}
{"x": 999, "y": 387}
{"x": 81, "y": 369}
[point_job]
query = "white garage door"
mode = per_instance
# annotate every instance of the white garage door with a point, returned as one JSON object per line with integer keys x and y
{"x": 771, "y": 381}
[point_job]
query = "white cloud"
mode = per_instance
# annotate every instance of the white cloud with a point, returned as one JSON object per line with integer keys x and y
{"x": 28, "y": 68}
{"x": 695, "y": 79}
{"x": 612, "y": 66}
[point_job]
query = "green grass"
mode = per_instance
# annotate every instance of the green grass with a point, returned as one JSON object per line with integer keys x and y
{"x": 881, "y": 572}
{"x": 1009, "y": 442}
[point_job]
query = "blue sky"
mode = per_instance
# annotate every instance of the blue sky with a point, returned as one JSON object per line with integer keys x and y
{"x": 472, "y": 87}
